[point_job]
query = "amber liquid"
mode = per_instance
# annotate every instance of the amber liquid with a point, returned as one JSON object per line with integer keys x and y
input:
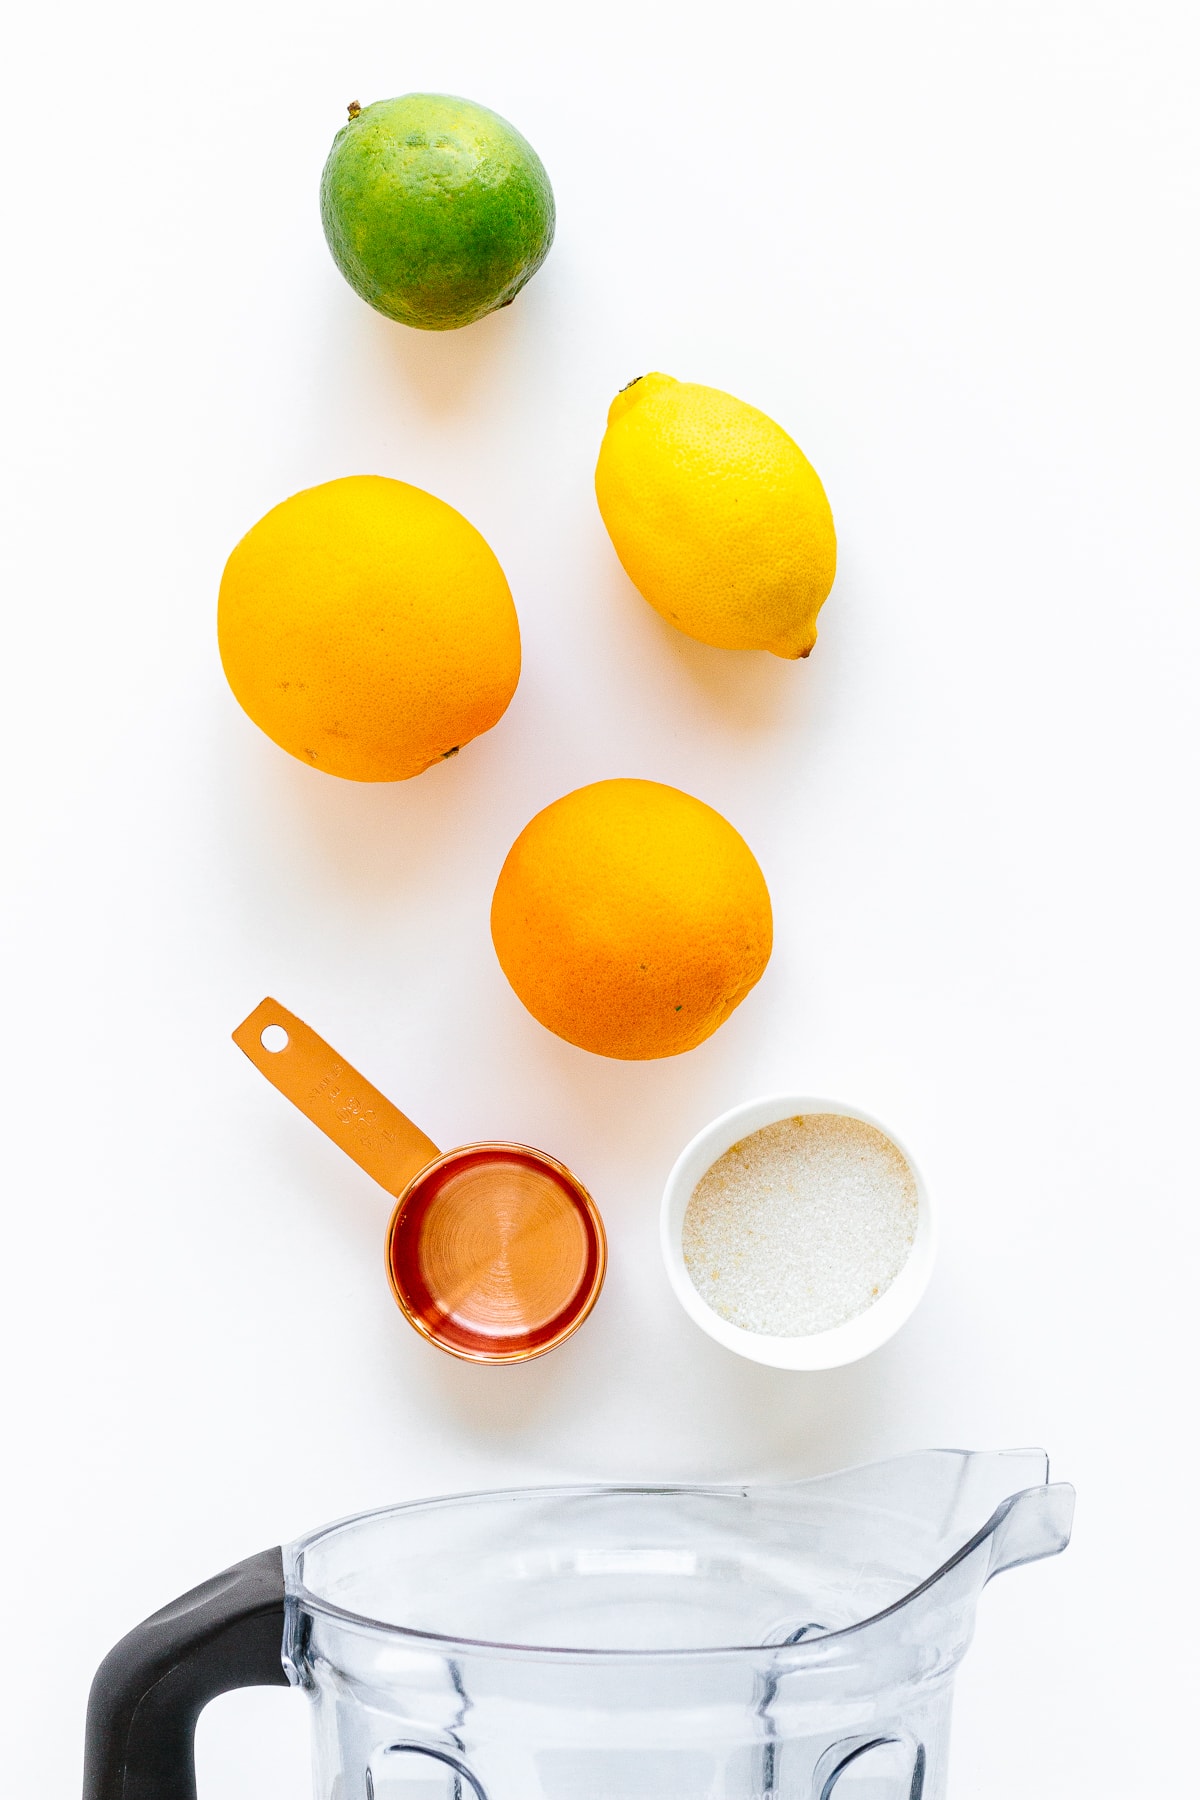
{"x": 496, "y": 1253}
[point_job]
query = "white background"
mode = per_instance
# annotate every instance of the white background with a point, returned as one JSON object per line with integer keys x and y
{"x": 952, "y": 248}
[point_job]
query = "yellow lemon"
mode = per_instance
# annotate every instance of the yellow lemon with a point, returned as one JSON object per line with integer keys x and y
{"x": 368, "y": 629}
{"x": 631, "y": 919}
{"x": 718, "y": 517}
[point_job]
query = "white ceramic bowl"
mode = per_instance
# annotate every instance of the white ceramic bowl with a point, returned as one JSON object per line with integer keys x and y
{"x": 821, "y": 1349}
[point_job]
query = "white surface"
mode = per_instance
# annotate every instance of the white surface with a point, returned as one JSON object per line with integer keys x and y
{"x": 831, "y": 1349}
{"x": 952, "y": 247}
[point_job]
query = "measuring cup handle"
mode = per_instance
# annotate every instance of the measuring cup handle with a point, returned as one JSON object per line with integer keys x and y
{"x": 152, "y": 1686}
{"x": 339, "y": 1101}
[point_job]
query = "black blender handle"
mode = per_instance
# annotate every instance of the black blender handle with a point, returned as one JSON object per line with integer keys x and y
{"x": 152, "y": 1686}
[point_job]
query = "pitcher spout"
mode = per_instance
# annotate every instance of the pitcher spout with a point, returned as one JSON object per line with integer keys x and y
{"x": 1018, "y": 1513}
{"x": 990, "y": 1512}
{"x": 939, "y": 1523}
{"x": 1031, "y": 1525}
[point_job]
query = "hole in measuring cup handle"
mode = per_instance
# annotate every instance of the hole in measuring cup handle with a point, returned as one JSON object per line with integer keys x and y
{"x": 869, "y": 1763}
{"x": 391, "y": 1775}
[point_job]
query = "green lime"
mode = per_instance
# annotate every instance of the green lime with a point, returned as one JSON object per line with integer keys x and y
{"x": 436, "y": 210}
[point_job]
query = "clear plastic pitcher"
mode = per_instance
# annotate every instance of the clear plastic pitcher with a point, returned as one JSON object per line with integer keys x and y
{"x": 796, "y": 1642}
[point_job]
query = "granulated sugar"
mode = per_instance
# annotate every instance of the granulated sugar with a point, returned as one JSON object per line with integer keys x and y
{"x": 801, "y": 1225}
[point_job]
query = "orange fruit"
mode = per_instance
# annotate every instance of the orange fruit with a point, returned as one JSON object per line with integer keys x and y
{"x": 368, "y": 629}
{"x": 631, "y": 919}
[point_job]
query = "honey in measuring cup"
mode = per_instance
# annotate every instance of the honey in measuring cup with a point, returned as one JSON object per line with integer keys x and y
{"x": 493, "y": 1251}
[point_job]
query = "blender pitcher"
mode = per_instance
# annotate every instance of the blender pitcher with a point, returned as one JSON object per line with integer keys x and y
{"x": 793, "y": 1642}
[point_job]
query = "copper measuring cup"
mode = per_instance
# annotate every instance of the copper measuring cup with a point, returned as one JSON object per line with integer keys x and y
{"x": 495, "y": 1252}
